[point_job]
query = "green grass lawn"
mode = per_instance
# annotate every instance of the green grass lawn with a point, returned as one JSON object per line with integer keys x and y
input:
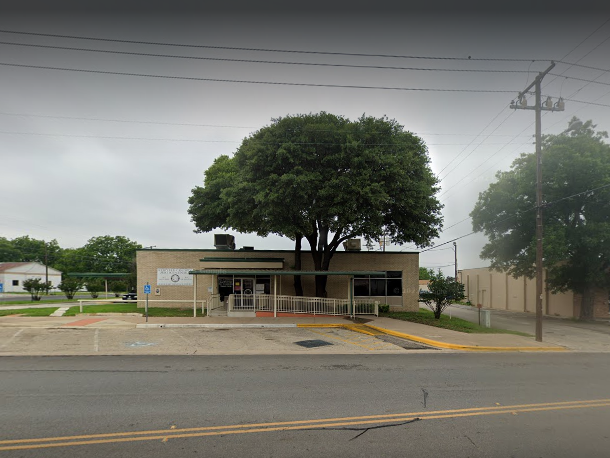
{"x": 426, "y": 317}
{"x": 132, "y": 308}
{"x": 50, "y": 301}
{"x": 29, "y": 312}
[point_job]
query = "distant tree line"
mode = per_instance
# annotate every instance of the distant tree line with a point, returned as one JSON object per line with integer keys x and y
{"x": 103, "y": 254}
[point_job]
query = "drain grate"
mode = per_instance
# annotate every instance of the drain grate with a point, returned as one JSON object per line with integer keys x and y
{"x": 313, "y": 343}
{"x": 403, "y": 343}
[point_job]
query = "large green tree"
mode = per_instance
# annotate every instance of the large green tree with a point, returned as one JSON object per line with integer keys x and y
{"x": 33, "y": 250}
{"x": 576, "y": 214}
{"x": 107, "y": 254}
{"x": 324, "y": 178}
{"x": 8, "y": 252}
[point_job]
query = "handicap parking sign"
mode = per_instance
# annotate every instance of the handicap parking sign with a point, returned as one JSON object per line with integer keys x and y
{"x": 146, "y": 289}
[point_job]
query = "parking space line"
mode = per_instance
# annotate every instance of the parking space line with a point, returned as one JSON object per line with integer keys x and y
{"x": 96, "y": 340}
{"x": 9, "y": 341}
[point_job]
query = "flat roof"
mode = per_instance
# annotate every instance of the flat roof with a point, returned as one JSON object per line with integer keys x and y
{"x": 97, "y": 274}
{"x": 213, "y": 250}
{"x": 283, "y": 272}
{"x": 215, "y": 259}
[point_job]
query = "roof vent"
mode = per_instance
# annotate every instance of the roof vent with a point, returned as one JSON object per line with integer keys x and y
{"x": 224, "y": 242}
{"x": 352, "y": 245}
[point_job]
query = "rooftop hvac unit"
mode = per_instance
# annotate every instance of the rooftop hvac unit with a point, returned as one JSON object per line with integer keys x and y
{"x": 224, "y": 242}
{"x": 352, "y": 245}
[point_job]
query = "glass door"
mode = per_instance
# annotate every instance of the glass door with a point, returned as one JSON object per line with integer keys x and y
{"x": 243, "y": 288}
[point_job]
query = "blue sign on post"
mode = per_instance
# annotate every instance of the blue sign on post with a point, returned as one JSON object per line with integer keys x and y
{"x": 1, "y": 287}
{"x": 146, "y": 289}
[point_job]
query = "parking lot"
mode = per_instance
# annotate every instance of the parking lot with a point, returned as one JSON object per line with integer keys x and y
{"x": 193, "y": 341}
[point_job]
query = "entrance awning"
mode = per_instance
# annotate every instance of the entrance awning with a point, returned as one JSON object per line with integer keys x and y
{"x": 351, "y": 273}
{"x": 276, "y": 273}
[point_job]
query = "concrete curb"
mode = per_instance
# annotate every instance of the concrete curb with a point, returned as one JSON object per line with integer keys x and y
{"x": 438, "y": 344}
{"x": 214, "y": 326}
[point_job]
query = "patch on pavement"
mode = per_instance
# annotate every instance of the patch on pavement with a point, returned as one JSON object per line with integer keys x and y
{"x": 403, "y": 343}
{"x": 313, "y": 343}
{"x": 139, "y": 344}
{"x": 84, "y": 322}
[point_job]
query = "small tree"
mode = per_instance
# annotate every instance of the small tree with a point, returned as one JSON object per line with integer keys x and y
{"x": 118, "y": 287}
{"x": 69, "y": 286}
{"x": 425, "y": 274}
{"x": 35, "y": 286}
{"x": 442, "y": 292}
{"x": 94, "y": 287}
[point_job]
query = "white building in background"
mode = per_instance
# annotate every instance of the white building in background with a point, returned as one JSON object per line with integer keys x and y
{"x": 13, "y": 274}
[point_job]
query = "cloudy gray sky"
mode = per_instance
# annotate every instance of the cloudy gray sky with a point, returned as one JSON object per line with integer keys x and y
{"x": 86, "y": 154}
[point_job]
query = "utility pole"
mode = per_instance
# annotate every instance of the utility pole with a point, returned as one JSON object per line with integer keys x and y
{"x": 538, "y": 107}
{"x": 455, "y": 250}
{"x": 46, "y": 267}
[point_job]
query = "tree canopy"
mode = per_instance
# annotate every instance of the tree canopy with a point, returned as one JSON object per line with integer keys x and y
{"x": 100, "y": 254}
{"x": 576, "y": 214}
{"x": 324, "y": 178}
{"x": 425, "y": 274}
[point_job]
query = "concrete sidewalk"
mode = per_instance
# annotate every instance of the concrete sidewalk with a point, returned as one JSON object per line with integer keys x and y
{"x": 436, "y": 337}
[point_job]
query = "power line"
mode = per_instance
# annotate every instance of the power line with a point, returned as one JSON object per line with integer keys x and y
{"x": 4, "y": 113}
{"x": 255, "y": 61}
{"x": 134, "y": 121}
{"x": 475, "y": 148}
{"x": 292, "y": 51}
{"x": 588, "y": 103}
{"x": 545, "y": 204}
{"x": 577, "y": 46}
{"x": 583, "y": 66}
{"x": 275, "y": 83}
{"x": 196, "y": 140}
{"x": 581, "y": 79}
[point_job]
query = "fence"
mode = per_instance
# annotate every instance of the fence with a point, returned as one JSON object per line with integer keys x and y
{"x": 298, "y": 304}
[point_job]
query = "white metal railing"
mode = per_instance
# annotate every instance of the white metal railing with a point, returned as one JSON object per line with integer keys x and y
{"x": 299, "y": 304}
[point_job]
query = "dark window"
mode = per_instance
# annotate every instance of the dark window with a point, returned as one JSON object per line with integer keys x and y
{"x": 375, "y": 286}
{"x": 361, "y": 287}
{"x": 15, "y": 282}
{"x": 378, "y": 286}
{"x": 394, "y": 287}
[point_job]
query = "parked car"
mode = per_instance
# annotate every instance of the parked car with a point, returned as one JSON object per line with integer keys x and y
{"x": 130, "y": 297}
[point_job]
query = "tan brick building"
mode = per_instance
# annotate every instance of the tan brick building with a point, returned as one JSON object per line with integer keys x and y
{"x": 185, "y": 276}
{"x": 497, "y": 290}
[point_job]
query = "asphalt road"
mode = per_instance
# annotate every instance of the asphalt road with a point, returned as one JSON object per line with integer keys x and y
{"x": 434, "y": 404}
{"x": 8, "y": 297}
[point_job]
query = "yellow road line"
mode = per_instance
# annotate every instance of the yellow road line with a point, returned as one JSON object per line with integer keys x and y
{"x": 22, "y": 444}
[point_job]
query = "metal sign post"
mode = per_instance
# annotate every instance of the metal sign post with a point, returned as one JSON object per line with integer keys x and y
{"x": 147, "y": 292}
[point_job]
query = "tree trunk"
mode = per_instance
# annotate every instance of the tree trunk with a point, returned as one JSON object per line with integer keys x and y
{"x": 321, "y": 285}
{"x": 586, "y": 304}
{"x": 437, "y": 312}
{"x": 298, "y": 286}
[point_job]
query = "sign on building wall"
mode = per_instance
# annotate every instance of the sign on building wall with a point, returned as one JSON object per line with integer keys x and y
{"x": 174, "y": 277}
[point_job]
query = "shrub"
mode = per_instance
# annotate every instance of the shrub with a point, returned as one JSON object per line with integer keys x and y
{"x": 69, "y": 286}
{"x": 118, "y": 287}
{"x": 35, "y": 286}
{"x": 94, "y": 287}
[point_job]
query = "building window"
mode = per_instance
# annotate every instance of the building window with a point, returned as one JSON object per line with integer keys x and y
{"x": 15, "y": 282}
{"x": 390, "y": 285}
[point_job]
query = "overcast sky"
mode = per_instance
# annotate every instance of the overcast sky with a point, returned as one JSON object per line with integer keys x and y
{"x": 85, "y": 154}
